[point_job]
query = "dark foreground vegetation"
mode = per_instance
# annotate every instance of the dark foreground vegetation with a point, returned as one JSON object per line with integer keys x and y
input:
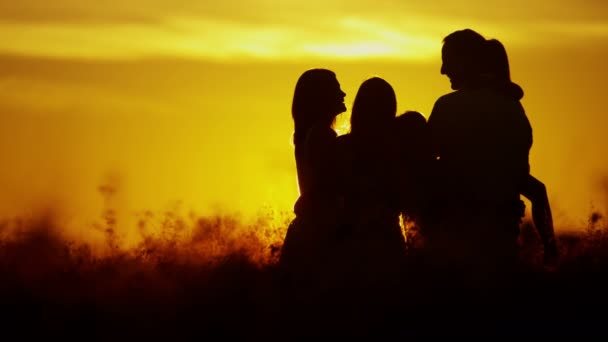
{"x": 220, "y": 284}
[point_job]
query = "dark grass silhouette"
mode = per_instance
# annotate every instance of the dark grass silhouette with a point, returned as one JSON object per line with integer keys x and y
{"x": 223, "y": 281}
{"x": 162, "y": 287}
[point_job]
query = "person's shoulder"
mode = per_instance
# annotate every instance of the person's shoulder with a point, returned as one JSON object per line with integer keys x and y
{"x": 321, "y": 136}
{"x": 344, "y": 139}
{"x": 446, "y": 103}
{"x": 450, "y": 100}
{"x": 507, "y": 102}
{"x": 453, "y": 96}
{"x": 322, "y": 132}
{"x": 344, "y": 145}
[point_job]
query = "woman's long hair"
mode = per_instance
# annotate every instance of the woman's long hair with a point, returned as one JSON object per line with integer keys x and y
{"x": 310, "y": 101}
{"x": 375, "y": 105}
{"x": 498, "y": 71}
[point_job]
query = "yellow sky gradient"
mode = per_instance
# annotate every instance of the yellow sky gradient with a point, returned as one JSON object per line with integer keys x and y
{"x": 190, "y": 101}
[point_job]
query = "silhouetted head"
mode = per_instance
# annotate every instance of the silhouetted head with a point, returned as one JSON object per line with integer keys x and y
{"x": 498, "y": 71}
{"x": 411, "y": 129}
{"x": 375, "y": 105}
{"x": 462, "y": 57}
{"x": 317, "y": 99}
{"x": 497, "y": 61}
{"x": 411, "y": 121}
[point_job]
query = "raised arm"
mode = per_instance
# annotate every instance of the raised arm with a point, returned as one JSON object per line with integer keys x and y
{"x": 536, "y": 192}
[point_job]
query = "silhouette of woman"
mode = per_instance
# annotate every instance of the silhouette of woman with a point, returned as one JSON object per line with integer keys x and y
{"x": 369, "y": 257}
{"x": 368, "y": 158}
{"x": 317, "y": 100}
{"x": 499, "y": 76}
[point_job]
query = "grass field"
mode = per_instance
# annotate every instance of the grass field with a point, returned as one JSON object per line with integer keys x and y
{"x": 215, "y": 276}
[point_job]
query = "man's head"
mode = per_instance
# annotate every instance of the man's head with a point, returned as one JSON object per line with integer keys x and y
{"x": 462, "y": 57}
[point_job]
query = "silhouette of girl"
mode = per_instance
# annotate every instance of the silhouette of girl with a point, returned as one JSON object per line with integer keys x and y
{"x": 414, "y": 161}
{"x": 369, "y": 161}
{"x": 499, "y": 76}
{"x": 317, "y": 100}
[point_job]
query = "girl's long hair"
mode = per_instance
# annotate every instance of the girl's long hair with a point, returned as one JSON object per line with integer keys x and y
{"x": 375, "y": 105}
{"x": 309, "y": 104}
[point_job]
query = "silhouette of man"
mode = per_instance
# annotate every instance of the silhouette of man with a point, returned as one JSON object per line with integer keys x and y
{"x": 480, "y": 140}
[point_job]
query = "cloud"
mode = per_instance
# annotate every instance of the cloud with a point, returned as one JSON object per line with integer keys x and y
{"x": 73, "y": 11}
{"x": 137, "y": 11}
{"x": 263, "y": 30}
{"x": 213, "y": 38}
{"x": 131, "y": 11}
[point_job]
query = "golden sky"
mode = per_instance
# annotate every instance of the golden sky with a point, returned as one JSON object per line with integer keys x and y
{"x": 189, "y": 101}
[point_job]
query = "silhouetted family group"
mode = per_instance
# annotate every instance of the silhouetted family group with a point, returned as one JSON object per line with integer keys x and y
{"x": 458, "y": 176}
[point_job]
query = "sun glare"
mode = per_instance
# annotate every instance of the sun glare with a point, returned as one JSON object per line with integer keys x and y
{"x": 342, "y": 39}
